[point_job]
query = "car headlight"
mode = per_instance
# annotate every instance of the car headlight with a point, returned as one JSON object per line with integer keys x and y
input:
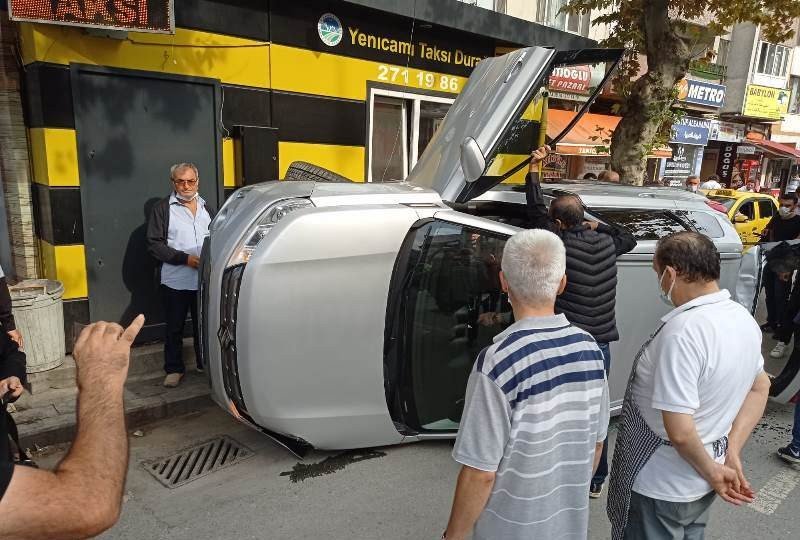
{"x": 228, "y": 208}
{"x": 262, "y": 227}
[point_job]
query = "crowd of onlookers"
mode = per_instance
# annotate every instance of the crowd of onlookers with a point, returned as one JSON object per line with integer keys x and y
{"x": 532, "y": 439}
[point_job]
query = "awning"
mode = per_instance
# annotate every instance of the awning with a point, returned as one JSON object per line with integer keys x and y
{"x": 781, "y": 151}
{"x": 579, "y": 141}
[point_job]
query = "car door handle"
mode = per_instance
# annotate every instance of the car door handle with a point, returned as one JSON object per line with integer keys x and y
{"x": 516, "y": 67}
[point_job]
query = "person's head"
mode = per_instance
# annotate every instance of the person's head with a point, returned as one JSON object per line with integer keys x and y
{"x": 693, "y": 184}
{"x": 787, "y": 205}
{"x": 534, "y": 269}
{"x": 687, "y": 265}
{"x": 566, "y": 211}
{"x": 590, "y": 176}
{"x": 608, "y": 176}
{"x": 185, "y": 180}
{"x": 751, "y": 186}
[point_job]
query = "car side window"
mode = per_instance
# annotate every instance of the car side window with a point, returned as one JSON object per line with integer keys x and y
{"x": 766, "y": 209}
{"x": 454, "y": 306}
{"x": 748, "y": 208}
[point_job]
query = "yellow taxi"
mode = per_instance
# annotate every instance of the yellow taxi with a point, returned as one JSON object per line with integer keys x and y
{"x": 748, "y": 211}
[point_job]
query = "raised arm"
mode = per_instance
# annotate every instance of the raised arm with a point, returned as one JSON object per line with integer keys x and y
{"x": 535, "y": 208}
{"x": 83, "y": 496}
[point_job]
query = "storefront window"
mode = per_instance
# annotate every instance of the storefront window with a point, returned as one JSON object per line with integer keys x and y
{"x": 388, "y": 144}
{"x": 401, "y": 126}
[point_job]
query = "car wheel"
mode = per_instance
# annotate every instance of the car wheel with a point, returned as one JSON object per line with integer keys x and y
{"x": 300, "y": 170}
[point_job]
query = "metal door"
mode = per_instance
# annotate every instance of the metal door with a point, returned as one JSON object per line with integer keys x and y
{"x": 131, "y": 127}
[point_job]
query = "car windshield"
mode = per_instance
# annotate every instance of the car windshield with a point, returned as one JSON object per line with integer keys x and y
{"x": 727, "y": 202}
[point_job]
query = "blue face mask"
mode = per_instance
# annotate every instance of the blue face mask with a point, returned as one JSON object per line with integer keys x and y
{"x": 666, "y": 297}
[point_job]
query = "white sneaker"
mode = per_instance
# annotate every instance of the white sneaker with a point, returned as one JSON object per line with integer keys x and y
{"x": 779, "y": 350}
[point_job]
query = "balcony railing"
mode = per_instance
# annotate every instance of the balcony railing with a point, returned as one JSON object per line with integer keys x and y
{"x": 706, "y": 70}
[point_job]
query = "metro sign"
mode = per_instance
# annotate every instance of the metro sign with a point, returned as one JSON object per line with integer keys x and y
{"x": 139, "y": 15}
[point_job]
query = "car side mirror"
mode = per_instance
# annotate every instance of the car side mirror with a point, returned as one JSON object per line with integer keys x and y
{"x": 740, "y": 218}
{"x": 473, "y": 163}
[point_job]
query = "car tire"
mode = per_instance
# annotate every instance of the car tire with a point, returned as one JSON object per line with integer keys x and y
{"x": 300, "y": 170}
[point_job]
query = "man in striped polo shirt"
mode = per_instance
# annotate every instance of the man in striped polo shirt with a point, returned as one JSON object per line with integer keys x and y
{"x": 536, "y": 412}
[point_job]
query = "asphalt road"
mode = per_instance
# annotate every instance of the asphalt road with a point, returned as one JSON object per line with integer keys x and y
{"x": 401, "y": 492}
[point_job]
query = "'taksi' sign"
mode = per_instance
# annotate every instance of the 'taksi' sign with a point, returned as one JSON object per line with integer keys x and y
{"x": 138, "y": 15}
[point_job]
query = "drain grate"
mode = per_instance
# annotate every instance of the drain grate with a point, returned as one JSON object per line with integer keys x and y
{"x": 197, "y": 461}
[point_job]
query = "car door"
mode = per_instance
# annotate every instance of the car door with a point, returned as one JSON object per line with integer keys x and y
{"x": 766, "y": 210}
{"x": 749, "y": 229}
{"x": 445, "y": 306}
{"x": 494, "y": 123}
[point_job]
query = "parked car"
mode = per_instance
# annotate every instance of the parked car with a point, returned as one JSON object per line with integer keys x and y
{"x": 748, "y": 211}
{"x": 342, "y": 315}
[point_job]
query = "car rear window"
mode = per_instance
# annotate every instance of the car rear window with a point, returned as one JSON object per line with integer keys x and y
{"x": 644, "y": 224}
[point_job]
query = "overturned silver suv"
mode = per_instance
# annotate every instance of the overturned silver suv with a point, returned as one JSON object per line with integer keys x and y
{"x": 344, "y": 315}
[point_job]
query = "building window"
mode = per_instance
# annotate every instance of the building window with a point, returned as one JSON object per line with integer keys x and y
{"x": 400, "y": 127}
{"x": 794, "y": 100}
{"x": 772, "y": 59}
{"x": 722, "y": 52}
{"x": 549, "y": 13}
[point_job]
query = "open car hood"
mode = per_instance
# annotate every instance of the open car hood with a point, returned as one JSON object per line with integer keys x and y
{"x": 488, "y": 118}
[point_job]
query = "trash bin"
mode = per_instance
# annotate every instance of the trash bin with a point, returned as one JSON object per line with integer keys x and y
{"x": 39, "y": 314}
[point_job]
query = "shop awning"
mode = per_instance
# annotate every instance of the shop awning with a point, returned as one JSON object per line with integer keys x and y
{"x": 579, "y": 141}
{"x": 781, "y": 151}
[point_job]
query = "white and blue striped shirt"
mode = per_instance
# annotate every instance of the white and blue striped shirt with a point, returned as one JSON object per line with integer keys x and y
{"x": 537, "y": 404}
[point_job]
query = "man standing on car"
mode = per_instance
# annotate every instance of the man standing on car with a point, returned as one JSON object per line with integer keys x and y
{"x": 536, "y": 411}
{"x": 697, "y": 390}
{"x": 175, "y": 234}
{"x": 589, "y": 300}
{"x": 784, "y": 226}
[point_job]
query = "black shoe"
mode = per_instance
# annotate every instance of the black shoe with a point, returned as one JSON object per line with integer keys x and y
{"x": 789, "y": 454}
{"x": 595, "y": 490}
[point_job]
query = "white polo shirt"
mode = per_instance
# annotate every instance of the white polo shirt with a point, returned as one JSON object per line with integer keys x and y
{"x": 704, "y": 363}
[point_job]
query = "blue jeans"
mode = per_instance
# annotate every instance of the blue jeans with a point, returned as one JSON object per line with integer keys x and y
{"x": 796, "y": 428}
{"x": 602, "y": 468}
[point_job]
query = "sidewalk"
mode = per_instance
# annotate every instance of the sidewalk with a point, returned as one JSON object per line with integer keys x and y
{"x": 46, "y": 415}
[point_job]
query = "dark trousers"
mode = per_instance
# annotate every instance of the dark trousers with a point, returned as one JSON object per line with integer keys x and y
{"x": 176, "y": 306}
{"x": 777, "y": 295}
{"x": 651, "y": 519}
{"x": 791, "y": 307}
{"x": 602, "y": 468}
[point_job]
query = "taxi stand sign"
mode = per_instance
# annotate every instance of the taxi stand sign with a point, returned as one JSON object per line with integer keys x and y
{"x": 157, "y": 16}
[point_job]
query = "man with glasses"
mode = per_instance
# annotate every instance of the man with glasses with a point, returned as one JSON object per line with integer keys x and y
{"x": 175, "y": 233}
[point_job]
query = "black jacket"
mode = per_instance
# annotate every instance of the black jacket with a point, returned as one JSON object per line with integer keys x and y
{"x": 157, "y": 230}
{"x": 589, "y": 300}
{"x": 6, "y": 315}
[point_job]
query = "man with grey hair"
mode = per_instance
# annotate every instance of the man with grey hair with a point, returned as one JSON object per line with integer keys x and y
{"x": 536, "y": 411}
{"x": 175, "y": 233}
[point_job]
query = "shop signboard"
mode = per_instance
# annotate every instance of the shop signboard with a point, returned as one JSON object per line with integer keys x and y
{"x": 701, "y": 93}
{"x": 139, "y": 15}
{"x": 682, "y": 161}
{"x": 726, "y": 131}
{"x": 689, "y": 130}
{"x": 766, "y": 102}
{"x": 726, "y": 161}
{"x": 554, "y": 166}
{"x": 572, "y": 79}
